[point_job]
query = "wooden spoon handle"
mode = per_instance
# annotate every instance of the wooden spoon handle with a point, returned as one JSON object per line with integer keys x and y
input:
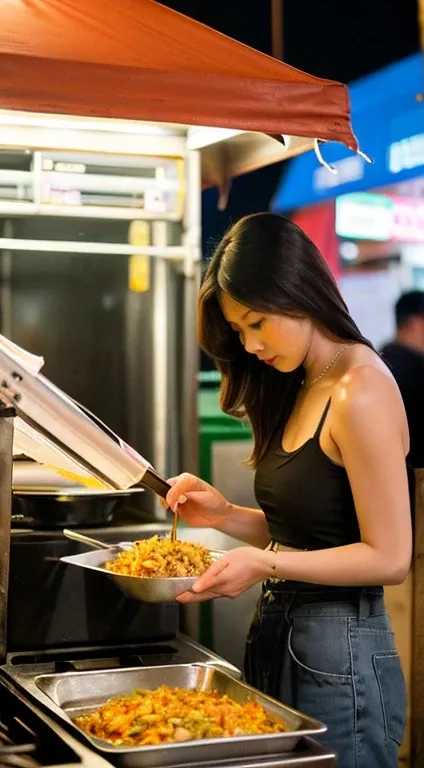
{"x": 174, "y": 526}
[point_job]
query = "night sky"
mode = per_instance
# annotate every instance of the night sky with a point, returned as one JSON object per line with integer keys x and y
{"x": 327, "y": 38}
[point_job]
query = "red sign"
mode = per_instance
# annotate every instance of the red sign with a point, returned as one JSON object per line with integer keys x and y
{"x": 407, "y": 219}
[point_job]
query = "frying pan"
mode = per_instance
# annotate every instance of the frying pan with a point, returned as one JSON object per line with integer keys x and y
{"x": 56, "y": 508}
{"x": 38, "y": 507}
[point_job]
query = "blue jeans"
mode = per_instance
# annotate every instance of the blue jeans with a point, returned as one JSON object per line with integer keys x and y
{"x": 330, "y": 653}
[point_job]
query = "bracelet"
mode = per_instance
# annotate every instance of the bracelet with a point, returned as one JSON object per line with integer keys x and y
{"x": 274, "y": 563}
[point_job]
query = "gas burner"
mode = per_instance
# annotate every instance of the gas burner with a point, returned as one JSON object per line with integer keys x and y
{"x": 17, "y": 743}
{"x": 25, "y": 740}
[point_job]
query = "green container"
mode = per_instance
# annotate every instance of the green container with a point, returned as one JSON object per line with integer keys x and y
{"x": 214, "y": 427}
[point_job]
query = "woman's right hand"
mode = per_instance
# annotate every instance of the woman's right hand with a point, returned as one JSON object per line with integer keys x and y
{"x": 197, "y": 503}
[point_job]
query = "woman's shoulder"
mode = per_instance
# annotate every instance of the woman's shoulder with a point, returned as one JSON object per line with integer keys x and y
{"x": 367, "y": 391}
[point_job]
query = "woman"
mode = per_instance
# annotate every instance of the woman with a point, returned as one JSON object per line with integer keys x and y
{"x": 330, "y": 440}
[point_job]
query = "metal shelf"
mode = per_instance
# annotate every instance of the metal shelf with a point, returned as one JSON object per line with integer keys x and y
{"x": 78, "y": 185}
{"x": 8, "y": 208}
{"x": 177, "y": 252}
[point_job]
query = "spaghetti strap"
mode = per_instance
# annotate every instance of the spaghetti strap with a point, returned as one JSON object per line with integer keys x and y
{"x": 322, "y": 419}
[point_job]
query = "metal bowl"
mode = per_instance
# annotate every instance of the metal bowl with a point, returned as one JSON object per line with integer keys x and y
{"x": 148, "y": 590}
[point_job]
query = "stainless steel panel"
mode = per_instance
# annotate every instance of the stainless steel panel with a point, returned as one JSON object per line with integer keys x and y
{"x": 149, "y": 590}
{"x": 236, "y": 485}
{"x": 73, "y": 694}
{"x": 24, "y": 668}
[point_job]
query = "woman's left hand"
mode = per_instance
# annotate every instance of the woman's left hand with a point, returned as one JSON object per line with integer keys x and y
{"x": 230, "y": 575}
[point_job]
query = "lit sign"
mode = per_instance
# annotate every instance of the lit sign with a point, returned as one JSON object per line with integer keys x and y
{"x": 408, "y": 220}
{"x": 406, "y": 153}
{"x": 349, "y": 169}
{"x": 384, "y": 218}
{"x": 364, "y": 216}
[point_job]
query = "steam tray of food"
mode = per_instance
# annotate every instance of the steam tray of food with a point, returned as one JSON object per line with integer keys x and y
{"x": 174, "y": 715}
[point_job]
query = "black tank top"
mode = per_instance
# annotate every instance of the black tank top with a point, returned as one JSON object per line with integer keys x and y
{"x": 306, "y": 497}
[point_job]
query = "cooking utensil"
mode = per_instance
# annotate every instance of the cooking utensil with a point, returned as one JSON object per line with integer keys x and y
{"x": 76, "y": 536}
{"x": 73, "y": 694}
{"x": 174, "y": 526}
{"x": 52, "y": 508}
{"x": 146, "y": 589}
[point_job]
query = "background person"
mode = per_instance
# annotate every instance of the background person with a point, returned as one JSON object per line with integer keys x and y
{"x": 405, "y": 358}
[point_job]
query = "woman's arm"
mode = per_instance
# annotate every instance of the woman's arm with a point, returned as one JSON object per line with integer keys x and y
{"x": 368, "y": 427}
{"x": 247, "y": 525}
{"x": 201, "y": 505}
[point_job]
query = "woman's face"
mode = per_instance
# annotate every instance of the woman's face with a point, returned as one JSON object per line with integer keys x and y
{"x": 277, "y": 340}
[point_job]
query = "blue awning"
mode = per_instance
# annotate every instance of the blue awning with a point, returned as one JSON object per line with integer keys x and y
{"x": 389, "y": 123}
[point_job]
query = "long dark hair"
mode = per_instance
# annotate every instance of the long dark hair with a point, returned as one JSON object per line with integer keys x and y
{"x": 266, "y": 263}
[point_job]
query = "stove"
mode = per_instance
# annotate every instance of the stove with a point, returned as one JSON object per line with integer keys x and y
{"x": 40, "y": 735}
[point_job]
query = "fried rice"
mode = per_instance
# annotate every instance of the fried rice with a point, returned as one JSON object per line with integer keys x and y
{"x": 153, "y": 717}
{"x": 162, "y": 558}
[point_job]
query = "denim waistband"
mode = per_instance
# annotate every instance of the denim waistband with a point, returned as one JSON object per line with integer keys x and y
{"x": 310, "y": 598}
{"x": 317, "y": 591}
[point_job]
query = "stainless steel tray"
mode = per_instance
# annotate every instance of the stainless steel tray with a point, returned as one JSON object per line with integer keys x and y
{"x": 74, "y": 694}
{"x": 149, "y": 590}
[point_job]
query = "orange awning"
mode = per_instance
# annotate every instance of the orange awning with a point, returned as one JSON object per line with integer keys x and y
{"x": 136, "y": 59}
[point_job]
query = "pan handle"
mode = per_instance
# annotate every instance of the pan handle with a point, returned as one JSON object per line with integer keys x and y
{"x": 85, "y": 539}
{"x": 155, "y": 483}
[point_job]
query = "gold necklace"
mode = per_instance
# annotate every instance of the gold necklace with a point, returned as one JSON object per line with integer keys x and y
{"x": 327, "y": 367}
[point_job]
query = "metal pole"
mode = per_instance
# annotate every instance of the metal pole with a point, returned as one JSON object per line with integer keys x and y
{"x": 190, "y": 362}
{"x": 6, "y": 284}
{"x": 6, "y": 463}
{"x": 160, "y": 360}
{"x": 277, "y": 28}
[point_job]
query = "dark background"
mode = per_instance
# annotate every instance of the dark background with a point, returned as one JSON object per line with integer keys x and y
{"x": 327, "y": 38}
